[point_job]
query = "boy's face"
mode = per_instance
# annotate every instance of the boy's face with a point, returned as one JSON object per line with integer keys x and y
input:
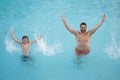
{"x": 25, "y": 40}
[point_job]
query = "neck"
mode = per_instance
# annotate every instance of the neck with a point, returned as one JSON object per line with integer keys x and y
{"x": 24, "y": 43}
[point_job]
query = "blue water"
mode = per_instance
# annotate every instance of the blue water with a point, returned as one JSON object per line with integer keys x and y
{"x": 57, "y": 60}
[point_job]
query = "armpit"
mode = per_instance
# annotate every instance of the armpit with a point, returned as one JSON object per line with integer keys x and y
{"x": 92, "y": 31}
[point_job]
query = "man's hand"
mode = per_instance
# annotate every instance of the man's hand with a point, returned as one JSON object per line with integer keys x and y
{"x": 63, "y": 17}
{"x": 103, "y": 17}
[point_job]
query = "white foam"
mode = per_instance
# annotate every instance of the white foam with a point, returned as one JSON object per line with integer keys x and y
{"x": 47, "y": 49}
{"x": 10, "y": 46}
{"x": 113, "y": 50}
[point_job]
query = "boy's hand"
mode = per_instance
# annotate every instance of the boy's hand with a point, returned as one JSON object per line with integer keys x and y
{"x": 11, "y": 33}
{"x": 40, "y": 37}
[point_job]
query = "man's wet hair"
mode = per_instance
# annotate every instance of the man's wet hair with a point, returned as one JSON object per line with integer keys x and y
{"x": 25, "y": 37}
{"x": 83, "y": 23}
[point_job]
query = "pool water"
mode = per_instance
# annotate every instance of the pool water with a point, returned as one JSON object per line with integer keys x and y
{"x": 53, "y": 57}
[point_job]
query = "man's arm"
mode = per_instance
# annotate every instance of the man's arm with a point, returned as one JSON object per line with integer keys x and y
{"x": 14, "y": 38}
{"x": 98, "y": 25}
{"x": 68, "y": 27}
{"x": 34, "y": 41}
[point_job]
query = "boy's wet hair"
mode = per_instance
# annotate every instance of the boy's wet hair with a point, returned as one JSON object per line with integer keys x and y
{"x": 83, "y": 23}
{"x": 25, "y": 37}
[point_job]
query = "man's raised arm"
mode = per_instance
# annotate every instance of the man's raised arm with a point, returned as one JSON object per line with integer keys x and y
{"x": 98, "y": 25}
{"x": 68, "y": 27}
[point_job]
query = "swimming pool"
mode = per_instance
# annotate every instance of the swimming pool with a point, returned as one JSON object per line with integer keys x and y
{"x": 54, "y": 57}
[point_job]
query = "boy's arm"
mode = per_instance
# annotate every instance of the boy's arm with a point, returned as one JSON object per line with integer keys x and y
{"x": 34, "y": 41}
{"x": 14, "y": 38}
{"x": 98, "y": 25}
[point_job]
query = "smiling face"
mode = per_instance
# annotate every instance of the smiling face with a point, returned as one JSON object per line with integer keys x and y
{"x": 25, "y": 39}
{"x": 83, "y": 27}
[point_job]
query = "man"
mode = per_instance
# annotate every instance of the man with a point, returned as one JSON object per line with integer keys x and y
{"x": 25, "y": 44}
{"x": 83, "y": 37}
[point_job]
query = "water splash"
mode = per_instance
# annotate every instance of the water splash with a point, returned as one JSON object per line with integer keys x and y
{"x": 42, "y": 45}
{"x": 114, "y": 48}
{"x": 10, "y": 46}
{"x": 46, "y": 49}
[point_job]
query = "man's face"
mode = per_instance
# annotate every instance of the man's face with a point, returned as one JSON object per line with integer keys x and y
{"x": 83, "y": 28}
{"x": 25, "y": 40}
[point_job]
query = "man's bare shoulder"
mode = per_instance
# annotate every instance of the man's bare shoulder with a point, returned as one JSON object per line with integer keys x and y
{"x": 88, "y": 32}
{"x": 77, "y": 32}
